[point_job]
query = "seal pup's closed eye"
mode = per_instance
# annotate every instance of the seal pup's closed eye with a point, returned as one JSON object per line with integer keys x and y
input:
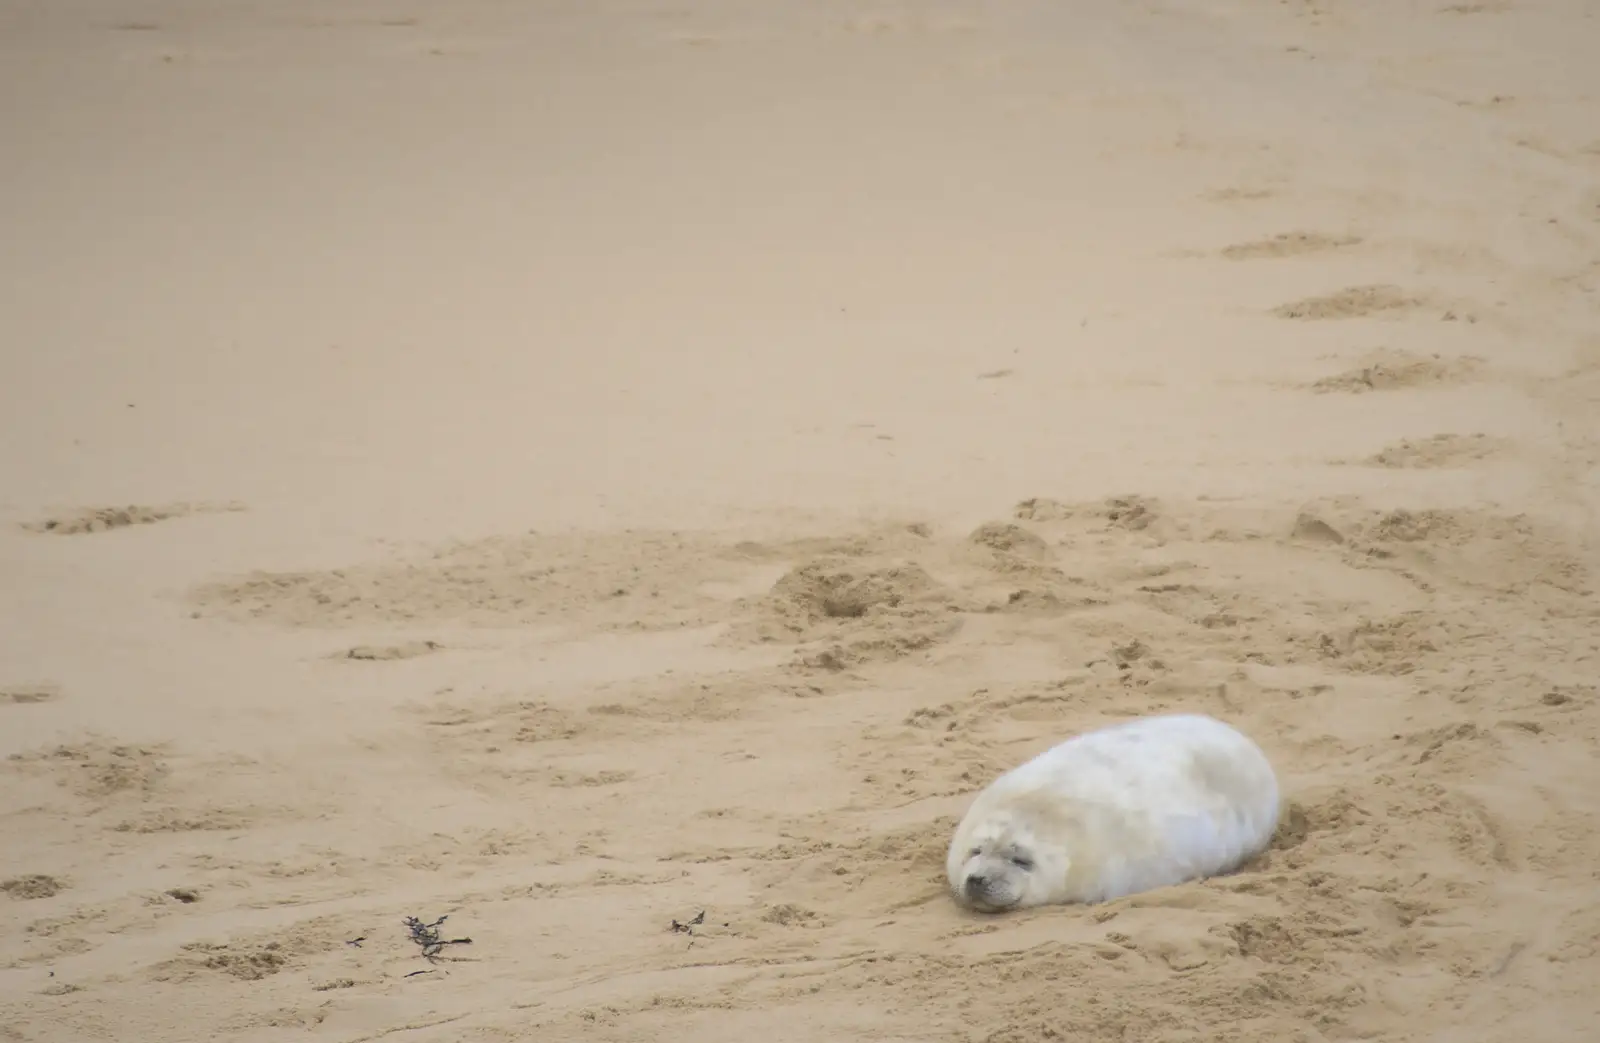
{"x": 1143, "y": 804}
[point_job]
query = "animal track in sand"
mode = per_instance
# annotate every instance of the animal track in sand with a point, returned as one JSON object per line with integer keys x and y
{"x": 29, "y": 694}
{"x": 1211, "y": 607}
{"x": 257, "y": 957}
{"x": 865, "y": 874}
{"x": 1443, "y": 744}
{"x": 496, "y": 723}
{"x": 1133, "y": 513}
{"x": 840, "y": 612}
{"x": 104, "y": 519}
{"x": 97, "y": 769}
{"x": 1381, "y": 646}
{"x": 32, "y": 886}
{"x": 1008, "y": 540}
{"x": 574, "y": 747}
{"x": 1351, "y": 303}
{"x": 198, "y": 820}
{"x": 1438, "y": 451}
{"x": 1387, "y": 370}
{"x": 1238, "y": 194}
{"x": 703, "y": 698}
{"x": 1288, "y": 244}
{"x": 389, "y": 653}
{"x": 1473, "y": 549}
{"x": 610, "y": 581}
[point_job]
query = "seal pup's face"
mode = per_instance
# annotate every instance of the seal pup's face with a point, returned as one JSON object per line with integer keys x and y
{"x": 1005, "y": 869}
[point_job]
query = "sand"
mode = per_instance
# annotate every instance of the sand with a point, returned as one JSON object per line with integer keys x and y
{"x": 621, "y": 475}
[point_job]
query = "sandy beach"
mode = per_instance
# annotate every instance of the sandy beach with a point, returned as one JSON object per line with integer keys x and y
{"x": 618, "y": 477}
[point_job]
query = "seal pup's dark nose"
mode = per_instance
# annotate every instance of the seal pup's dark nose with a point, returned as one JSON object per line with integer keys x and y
{"x": 976, "y": 884}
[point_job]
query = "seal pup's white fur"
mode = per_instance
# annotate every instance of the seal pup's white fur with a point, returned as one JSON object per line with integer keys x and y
{"x": 1135, "y": 806}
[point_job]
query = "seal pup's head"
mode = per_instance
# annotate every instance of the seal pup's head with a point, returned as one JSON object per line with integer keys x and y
{"x": 1002, "y": 865}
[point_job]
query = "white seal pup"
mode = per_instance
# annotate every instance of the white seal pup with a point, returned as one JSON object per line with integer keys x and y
{"x": 1131, "y": 807}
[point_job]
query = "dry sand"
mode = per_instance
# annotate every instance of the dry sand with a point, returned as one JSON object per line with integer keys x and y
{"x": 572, "y": 466}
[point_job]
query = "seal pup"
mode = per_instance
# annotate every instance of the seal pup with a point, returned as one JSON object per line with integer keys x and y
{"x": 1130, "y": 807}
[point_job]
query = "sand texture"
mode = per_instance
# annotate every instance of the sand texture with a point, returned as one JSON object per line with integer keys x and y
{"x": 619, "y": 476}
